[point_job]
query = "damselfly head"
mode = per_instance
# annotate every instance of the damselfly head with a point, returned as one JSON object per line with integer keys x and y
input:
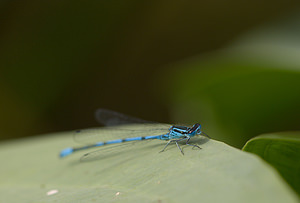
{"x": 199, "y": 132}
{"x": 195, "y": 129}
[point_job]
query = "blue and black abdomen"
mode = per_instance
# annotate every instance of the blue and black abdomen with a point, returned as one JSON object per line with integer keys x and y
{"x": 70, "y": 150}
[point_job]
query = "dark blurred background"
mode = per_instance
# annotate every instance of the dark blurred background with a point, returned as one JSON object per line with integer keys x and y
{"x": 233, "y": 66}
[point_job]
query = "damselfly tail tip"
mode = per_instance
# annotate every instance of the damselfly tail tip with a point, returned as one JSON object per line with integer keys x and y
{"x": 66, "y": 152}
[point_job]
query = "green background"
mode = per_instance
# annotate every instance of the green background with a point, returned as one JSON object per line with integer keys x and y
{"x": 231, "y": 66}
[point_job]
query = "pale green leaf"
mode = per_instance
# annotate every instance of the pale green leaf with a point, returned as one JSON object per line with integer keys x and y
{"x": 217, "y": 173}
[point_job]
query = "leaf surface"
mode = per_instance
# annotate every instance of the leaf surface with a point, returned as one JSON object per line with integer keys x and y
{"x": 138, "y": 173}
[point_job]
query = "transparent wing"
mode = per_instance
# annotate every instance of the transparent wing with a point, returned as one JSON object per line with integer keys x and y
{"x": 112, "y": 150}
{"x": 126, "y": 147}
{"x": 93, "y": 135}
{"x": 110, "y": 118}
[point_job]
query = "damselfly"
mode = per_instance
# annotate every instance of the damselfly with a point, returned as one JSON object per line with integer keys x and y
{"x": 174, "y": 134}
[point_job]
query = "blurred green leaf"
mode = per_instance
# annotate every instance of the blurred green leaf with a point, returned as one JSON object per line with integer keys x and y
{"x": 281, "y": 150}
{"x": 246, "y": 89}
{"x": 234, "y": 104}
{"x": 216, "y": 173}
